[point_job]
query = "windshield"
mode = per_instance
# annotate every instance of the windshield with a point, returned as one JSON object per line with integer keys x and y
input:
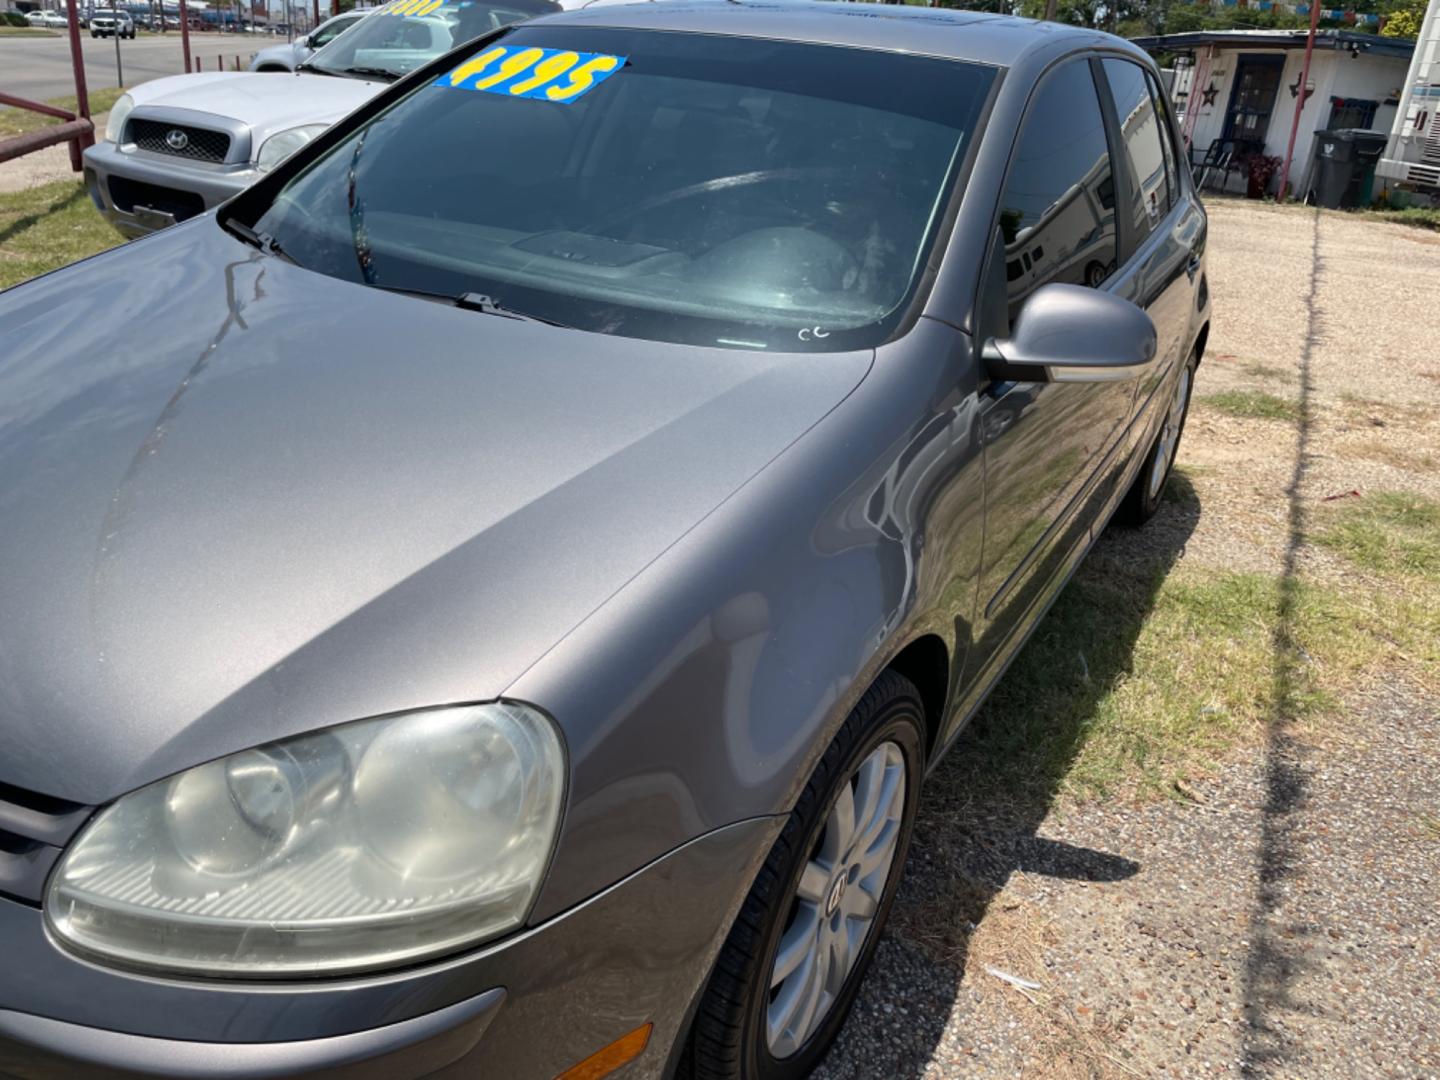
{"x": 673, "y": 186}
{"x": 408, "y": 34}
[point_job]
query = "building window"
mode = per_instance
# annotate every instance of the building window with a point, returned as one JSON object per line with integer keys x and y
{"x": 1351, "y": 113}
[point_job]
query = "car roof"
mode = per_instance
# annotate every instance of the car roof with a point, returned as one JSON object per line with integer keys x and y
{"x": 946, "y": 32}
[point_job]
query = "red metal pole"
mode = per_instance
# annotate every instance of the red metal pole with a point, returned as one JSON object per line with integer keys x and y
{"x": 1299, "y": 99}
{"x": 185, "y": 34}
{"x": 82, "y": 94}
{"x": 317, "y": 14}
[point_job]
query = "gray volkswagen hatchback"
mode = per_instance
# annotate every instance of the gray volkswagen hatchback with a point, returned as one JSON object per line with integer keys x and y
{"x": 495, "y": 616}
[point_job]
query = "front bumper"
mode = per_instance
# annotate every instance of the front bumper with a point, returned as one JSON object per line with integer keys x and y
{"x": 532, "y": 1005}
{"x": 140, "y": 192}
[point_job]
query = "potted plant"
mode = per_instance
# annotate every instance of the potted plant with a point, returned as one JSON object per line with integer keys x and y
{"x": 1260, "y": 169}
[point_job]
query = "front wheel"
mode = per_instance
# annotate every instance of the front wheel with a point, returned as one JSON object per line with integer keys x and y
{"x": 1143, "y": 498}
{"x": 793, "y": 963}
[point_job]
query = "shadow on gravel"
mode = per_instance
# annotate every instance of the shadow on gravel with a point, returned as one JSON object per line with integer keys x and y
{"x": 1271, "y": 967}
{"x": 981, "y": 809}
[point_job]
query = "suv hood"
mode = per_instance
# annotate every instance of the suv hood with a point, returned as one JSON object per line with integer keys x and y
{"x": 240, "y": 500}
{"x": 267, "y": 102}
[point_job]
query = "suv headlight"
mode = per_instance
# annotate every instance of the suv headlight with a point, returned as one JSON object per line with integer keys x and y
{"x": 119, "y": 113}
{"x": 278, "y": 147}
{"x": 363, "y": 846}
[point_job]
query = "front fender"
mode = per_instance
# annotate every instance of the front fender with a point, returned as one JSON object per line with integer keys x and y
{"x": 705, "y": 690}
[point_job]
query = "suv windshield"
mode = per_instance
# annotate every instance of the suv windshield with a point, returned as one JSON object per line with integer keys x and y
{"x": 673, "y": 186}
{"x": 408, "y": 34}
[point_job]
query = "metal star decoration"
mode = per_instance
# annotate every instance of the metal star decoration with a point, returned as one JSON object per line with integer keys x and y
{"x": 1209, "y": 93}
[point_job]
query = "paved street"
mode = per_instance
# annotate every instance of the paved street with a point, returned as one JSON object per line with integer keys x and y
{"x": 39, "y": 67}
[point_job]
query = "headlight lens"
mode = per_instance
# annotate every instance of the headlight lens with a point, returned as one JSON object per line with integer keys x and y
{"x": 119, "y": 113}
{"x": 278, "y": 147}
{"x": 365, "y": 846}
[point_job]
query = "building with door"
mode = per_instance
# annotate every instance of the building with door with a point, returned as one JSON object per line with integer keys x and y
{"x": 1236, "y": 90}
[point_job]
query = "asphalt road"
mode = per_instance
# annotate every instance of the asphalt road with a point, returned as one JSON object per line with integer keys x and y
{"x": 39, "y": 67}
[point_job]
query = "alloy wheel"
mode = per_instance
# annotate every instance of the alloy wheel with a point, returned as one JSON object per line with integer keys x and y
{"x": 837, "y": 899}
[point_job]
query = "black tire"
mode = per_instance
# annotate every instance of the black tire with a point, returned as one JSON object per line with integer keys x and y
{"x": 1145, "y": 495}
{"x": 728, "y": 1039}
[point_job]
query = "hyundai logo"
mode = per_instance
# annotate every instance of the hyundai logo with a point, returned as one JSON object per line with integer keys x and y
{"x": 176, "y": 139}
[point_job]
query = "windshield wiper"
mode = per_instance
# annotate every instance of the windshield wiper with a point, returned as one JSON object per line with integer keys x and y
{"x": 474, "y": 301}
{"x": 264, "y": 241}
{"x": 371, "y": 73}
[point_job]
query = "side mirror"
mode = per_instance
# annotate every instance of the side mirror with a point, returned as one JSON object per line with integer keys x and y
{"x": 1068, "y": 333}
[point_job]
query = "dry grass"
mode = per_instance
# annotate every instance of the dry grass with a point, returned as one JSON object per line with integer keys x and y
{"x": 1253, "y": 404}
{"x": 48, "y": 227}
{"x": 19, "y": 121}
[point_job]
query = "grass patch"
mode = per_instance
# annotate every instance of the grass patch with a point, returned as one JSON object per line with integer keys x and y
{"x": 1388, "y": 532}
{"x": 1137, "y": 682}
{"x": 1416, "y": 217}
{"x": 47, "y": 227}
{"x": 1253, "y": 404}
{"x": 26, "y": 31}
{"x": 1268, "y": 371}
{"x": 1396, "y": 456}
{"x": 19, "y": 121}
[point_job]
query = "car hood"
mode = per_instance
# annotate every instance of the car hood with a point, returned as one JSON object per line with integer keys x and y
{"x": 240, "y": 500}
{"x": 264, "y": 101}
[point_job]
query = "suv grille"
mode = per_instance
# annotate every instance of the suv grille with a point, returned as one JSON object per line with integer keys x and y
{"x": 33, "y": 831}
{"x": 197, "y": 144}
{"x": 127, "y": 194}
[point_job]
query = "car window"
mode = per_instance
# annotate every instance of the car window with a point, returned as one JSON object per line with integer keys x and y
{"x": 1167, "y": 137}
{"x": 1140, "y": 135}
{"x": 406, "y": 35}
{"x": 331, "y": 31}
{"x": 1057, "y": 214}
{"x": 732, "y": 192}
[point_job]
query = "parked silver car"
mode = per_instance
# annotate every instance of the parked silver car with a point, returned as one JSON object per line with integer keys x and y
{"x": 292, "y": 54}
{"x": 178, "y": 146}
{"x": 494, "y": 616}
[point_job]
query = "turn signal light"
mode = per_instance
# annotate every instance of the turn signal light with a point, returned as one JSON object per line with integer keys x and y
{"x": 605, "y": 1061}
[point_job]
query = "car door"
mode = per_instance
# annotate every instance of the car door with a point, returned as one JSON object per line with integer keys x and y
{"x": 1162, "y": 234}
{"x": 1047, "y": 446}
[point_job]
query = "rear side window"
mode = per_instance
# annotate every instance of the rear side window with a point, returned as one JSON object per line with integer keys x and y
{"x": 1057, "y": 215}
{"x": 1167, "y": 138}
{"x": 1140, "y": 135}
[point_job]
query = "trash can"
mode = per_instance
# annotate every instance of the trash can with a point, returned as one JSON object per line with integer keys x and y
{"x": 1345, "y": 166}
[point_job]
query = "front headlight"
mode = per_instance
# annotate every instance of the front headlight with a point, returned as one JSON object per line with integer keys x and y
{"x": 119, "y": 113}
{"x": 280, "y": 146}
{"x": 364, "y": 846}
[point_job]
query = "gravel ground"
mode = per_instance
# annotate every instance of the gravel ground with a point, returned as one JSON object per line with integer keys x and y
{"x": 1283, "y": 918}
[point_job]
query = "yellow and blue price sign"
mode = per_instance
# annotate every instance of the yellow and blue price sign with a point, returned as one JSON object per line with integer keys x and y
{"x": 540, "y": 74}
{"x": 414, "y": 7}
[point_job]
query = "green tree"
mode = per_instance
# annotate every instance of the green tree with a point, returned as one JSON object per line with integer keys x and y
{"x": 1404, "y": 20}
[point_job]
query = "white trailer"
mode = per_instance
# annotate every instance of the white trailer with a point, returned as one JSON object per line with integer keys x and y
{"x": 1412, "y": 155}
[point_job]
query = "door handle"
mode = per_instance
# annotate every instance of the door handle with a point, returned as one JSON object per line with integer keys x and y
{"x": 1192, "y": 267}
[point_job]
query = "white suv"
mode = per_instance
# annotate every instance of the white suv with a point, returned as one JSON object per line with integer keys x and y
{"x": 179, "y": 146}
{"x": 105, "y": 23}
